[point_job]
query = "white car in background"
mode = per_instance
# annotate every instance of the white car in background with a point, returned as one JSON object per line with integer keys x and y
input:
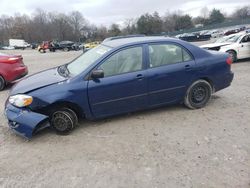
{"x": 216, "y": 33}
{"x": 237, "y": 45}
{"x": 8, "y": 48}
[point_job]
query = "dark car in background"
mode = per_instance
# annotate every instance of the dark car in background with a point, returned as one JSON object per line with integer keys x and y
{"x": 231, "y": 31}
{"x": 66, "y": 45}
{"x": 117, "y": 77}
{"x": 194, "y": 37}
{"x": 52, "y": 46}
{"x": 34, "y": 45}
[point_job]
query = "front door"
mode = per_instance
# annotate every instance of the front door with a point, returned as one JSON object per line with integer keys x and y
{"x": 244, "y": 49}
{"x": 123, "y": 88}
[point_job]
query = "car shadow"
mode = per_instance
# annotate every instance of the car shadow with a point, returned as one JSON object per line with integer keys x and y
{"x": 137, "y": 114}
{"x": 84, "y": 123}
{"x": 8, "y": 87}
{"x": 246, "y": 60}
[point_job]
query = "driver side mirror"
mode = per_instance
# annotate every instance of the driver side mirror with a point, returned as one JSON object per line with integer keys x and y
{"x": 99, "y": 73}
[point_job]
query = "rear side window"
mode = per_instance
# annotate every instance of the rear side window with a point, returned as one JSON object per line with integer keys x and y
{"x": 125, "y": 61}
{"x": 164, "y": 54}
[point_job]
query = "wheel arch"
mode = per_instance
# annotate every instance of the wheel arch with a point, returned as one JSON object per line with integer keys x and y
{"x": 2, "y": 75}
{"x": 59, "y": 104}
{"x": 209, "y": 81}
{"x": 3, "y": 82}
{"x": 236, "y": 53}
{"x": 232, "y": 50}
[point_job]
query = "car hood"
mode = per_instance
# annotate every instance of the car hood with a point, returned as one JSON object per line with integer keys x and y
{"x": 37, "y": 81}
{"x": 213, "y": 45}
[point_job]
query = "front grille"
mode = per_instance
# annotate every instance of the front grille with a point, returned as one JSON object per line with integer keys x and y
{"x": 13, "y": 124}
{"x": 215, "y": 48}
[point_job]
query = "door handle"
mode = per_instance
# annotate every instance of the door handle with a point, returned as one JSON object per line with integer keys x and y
{"x": 188, "y": 67}
{"x": 139, "y": 77}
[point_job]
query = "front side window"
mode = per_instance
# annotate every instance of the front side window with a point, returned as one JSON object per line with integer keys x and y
{"x": 163, "y": 54}
{"x": 246, "y": 39}
{"x": 128, "y": 60}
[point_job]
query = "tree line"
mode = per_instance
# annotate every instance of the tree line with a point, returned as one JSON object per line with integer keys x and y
{"x": 42, "y": 25}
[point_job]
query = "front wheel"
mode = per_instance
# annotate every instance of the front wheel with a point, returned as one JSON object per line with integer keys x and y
{"x": 2, "y": 83}
{"x": 233, "y": 55}
{"x": 65, "y": 49}
{"x": 63, "y": 120}
{"x": 198, "y": 94}
{"x": 41, "y": 50}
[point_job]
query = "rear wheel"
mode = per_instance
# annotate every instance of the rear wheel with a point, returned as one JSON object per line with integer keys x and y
{"x": 2, "y": 83}
{"x": 41, "y": 50}
{"x": 66, "y": 49}
{"x": 63, "y": 120}
{"x": 198, "y": 94}
{"x": 233, "y": 55}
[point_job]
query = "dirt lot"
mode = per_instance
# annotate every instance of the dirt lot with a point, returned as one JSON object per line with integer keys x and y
{"x": 167, "y": 147}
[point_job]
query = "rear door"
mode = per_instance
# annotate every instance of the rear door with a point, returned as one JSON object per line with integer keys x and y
{"x": 123, "y": 88}
{"x": 171, "y": 70}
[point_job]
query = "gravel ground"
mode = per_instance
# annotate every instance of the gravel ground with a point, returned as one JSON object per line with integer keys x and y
{"x": 166, "y": 147}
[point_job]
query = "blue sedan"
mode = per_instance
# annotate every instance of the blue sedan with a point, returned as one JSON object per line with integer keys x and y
{"x": 119, "y": 76}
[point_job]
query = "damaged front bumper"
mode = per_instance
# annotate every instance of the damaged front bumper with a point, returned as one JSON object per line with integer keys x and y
{"x": 25, "y": 122}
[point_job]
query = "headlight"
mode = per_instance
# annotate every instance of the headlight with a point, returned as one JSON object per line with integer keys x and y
{"x": 20, "y": 100}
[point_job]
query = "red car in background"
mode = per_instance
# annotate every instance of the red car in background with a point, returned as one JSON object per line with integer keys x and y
{"x": 11, "y": 69}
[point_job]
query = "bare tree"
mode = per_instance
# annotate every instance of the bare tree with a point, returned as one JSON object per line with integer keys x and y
{"x": 43, "y": 26}
{"x": 242, "y": 13}
{"x": 204, "y": 13}
{"x": 114, "y": 30}
{"x": 77, "y": 22}
{"x": 129, "y": 27}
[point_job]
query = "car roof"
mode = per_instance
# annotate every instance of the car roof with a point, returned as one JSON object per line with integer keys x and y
{"x": 137, "y": 40}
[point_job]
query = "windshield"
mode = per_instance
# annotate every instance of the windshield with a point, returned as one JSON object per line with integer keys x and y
{"x": 84, "y": 61}
{"x": 232, "y": 38}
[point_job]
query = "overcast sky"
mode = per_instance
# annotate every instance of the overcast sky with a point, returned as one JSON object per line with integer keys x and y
{"x": 105, "y": 12}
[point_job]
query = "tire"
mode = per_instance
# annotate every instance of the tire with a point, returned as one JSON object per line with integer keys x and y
{"x": 2, "y": 83}
{"x": 198, "y": 94}
{"x": 63, "y": 120}
{"x": 42, "y": 51}
{"x": 233, "y": 55}
{"x": 65, "y": 49}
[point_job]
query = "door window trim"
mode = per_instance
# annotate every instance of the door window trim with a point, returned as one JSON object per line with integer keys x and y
{"x": 167, "y": 43}
{"x": 144, "y": 66}
{"x": 241, "y": 41}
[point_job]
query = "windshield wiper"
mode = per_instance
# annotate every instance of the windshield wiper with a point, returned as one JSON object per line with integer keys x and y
{"x": 63, "y": 71}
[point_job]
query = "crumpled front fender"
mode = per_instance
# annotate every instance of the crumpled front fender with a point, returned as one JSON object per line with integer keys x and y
{"x": 25, "y": 122}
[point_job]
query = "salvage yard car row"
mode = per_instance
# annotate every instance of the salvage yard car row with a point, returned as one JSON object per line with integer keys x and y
{"x": 208, "y": 34}
{"x": 52, "y": 45}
